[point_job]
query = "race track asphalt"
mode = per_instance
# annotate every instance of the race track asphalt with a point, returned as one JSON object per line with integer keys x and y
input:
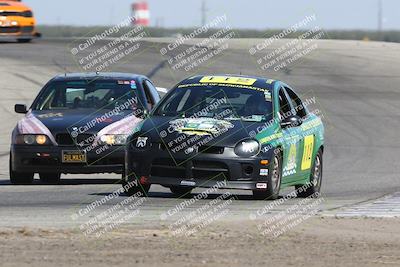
{"x": 356, "y": 85}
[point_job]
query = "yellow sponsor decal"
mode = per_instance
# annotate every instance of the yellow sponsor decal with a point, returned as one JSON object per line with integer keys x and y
{"x": 311, "y": 124}
{"x": 228, "y": 80}
{"x": 195, "y": 132}
{"x": 270, "y": 81}
{"x": 270, "y": 138}
{"x": 307, "y": 153}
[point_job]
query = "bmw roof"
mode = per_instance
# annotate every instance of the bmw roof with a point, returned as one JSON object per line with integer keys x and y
{"x": 94, "y": 75}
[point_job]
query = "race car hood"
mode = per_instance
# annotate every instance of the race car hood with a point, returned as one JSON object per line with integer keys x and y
{"x": 226, "y": 133}
{"x": 58, "y": 122}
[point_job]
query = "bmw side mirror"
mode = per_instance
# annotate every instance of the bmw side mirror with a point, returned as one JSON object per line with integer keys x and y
{"x": 20, "y": 108}
{"x": 292, "y": 121}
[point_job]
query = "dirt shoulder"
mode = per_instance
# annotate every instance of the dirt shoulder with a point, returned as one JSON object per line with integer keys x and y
{"x": 315, "y": 242}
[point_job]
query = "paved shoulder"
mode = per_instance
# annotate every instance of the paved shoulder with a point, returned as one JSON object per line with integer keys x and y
{"x": 386, "y": 207}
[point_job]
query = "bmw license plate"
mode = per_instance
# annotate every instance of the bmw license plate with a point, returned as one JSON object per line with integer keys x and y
{"x": 73, "y": 157}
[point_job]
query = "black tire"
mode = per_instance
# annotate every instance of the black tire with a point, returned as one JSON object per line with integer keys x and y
{"x": 50, "y": 178}
{"x": 20, "y": 178}
{"x": 313, "y": 188}
{"x": 24, "y": 41}
{"x": 131, "y": 182}
{"x": 181, "y": 191}
{"x": 273, "y": 183}
{"x": 131, "y": 190}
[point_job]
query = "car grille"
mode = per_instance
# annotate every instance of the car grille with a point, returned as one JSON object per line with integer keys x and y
{"x": 65, "y": 139}
{"x": 27, "y": 29}
{"x": 202, "y": 149}
{"x": 10, "y": 14}
{"x": 197, "y": 169}
{"x": 15, "y": 29}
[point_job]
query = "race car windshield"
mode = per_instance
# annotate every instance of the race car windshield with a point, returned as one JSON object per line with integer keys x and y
{"x": 218, "y": 102}
{"x": 81, "y": 94}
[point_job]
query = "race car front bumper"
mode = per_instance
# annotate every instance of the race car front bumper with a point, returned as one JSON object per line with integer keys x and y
{"x": 12, "y": 33}
{"x": 48, "y": 159}
{"x": 225, "y": 170}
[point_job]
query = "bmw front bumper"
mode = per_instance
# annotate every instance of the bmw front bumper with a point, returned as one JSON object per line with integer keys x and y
{"x": 48, "y": 159}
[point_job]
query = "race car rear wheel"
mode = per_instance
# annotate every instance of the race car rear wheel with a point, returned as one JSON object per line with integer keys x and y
{"x": 313, "y": 188}
{"x": 180, "y": 191}
{"x": 50, "y": 178}
{"x": 274, "y": 181}
{"x": 20, "y": 178}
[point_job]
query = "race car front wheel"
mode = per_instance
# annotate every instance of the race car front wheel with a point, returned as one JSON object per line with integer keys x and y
{"x": 139, "y": 190}
{"x": 20, "y": 178}
{"x": 274, "y": 181}
{"x": 313, "y": 188}
{"x": 50, "y": 178}
{"x": 133, "y": 186}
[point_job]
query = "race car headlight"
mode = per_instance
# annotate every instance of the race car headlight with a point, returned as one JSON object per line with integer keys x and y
{"x": 27, "y": 14}
{"x": 114, "y": 139}
{"x": 32, "y": 139}
{"x": 247, "y": 148}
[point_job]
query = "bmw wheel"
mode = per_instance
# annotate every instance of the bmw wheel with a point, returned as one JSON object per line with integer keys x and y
{"x": 20, "y": 178}
{"x": 50, "y": 178}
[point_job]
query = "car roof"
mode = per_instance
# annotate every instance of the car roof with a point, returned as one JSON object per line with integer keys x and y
{"x": 97, "y": 75}
{"x": 261, "y": 82}
{"x": 5, "y": 4}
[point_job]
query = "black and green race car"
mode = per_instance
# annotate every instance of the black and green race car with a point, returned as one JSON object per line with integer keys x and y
{"x": 228, "y": 132}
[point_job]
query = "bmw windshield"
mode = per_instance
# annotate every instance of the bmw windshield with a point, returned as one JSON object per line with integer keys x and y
{"x": 217, "y": 102}
{"x": 93, "y": 94}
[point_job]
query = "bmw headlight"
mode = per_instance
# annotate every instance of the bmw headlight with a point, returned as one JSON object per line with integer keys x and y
{"x": 247, "y": 148}
{"x": 114, "y": 139}
{"x": 32, "y": 139}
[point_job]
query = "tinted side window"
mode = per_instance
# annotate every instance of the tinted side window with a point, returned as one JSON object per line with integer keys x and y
{"x": 297, "y": 103}
{"x": 153, "y": 92}
{"x": 284, "y": 105}
{"x": 149, "y": 98}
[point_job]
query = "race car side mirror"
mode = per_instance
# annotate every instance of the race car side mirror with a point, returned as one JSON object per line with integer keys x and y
{"x": 20, "y": 108}
{"x": 292, "y": 121}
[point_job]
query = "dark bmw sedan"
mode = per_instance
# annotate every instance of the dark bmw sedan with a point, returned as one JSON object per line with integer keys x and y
{"x": 79, "y": 123}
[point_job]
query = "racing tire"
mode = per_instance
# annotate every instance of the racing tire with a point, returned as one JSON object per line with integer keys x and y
{"x": 181, "y": 191}
{"x": 313, "y": 189}
{"x": 273, "y": 183}
{"x": 134, "y": 190}
{"x": 50, "y": 178}
{"x": 24, "y": 41}
{"x": 20, "y": 178}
